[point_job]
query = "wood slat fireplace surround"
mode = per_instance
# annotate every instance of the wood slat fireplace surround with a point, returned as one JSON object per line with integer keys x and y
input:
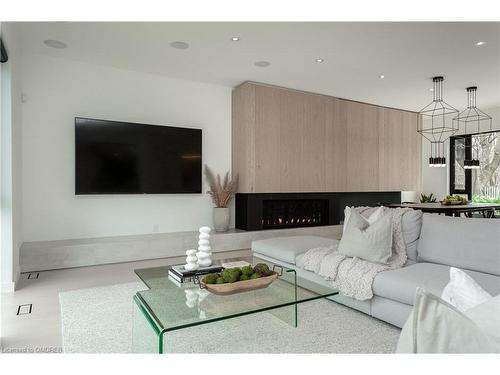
{"x": 286, "y": 141}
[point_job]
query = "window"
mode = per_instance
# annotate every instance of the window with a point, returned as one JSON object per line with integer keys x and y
{"x": 481, "y": 184}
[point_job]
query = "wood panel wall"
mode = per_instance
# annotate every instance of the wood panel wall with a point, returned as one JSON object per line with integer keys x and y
{"x": 291, "y": 141}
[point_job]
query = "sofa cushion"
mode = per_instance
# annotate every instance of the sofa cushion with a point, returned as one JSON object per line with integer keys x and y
{"x": 411, "y": 223}
{"x": 467, "y": 243}
{"x": 286, "y": 249}
{"x": 411, "y": 252}
{"x": 400, "y": 284}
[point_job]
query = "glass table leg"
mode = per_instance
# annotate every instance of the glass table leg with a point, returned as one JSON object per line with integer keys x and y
{"x": 146, "y": 338}
{"x": 287, "y": 314}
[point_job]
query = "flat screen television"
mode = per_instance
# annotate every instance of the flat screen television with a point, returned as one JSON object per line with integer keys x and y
{"x": 115, "y": 157}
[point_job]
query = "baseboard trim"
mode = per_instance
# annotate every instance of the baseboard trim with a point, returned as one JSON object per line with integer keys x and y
{"x": 8, "y": 287}
{"x": 48, "y": 255}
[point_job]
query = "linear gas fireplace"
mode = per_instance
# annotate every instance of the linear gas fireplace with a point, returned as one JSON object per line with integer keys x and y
{"x": 256, "y": 211}
{"x": 280, "y": 213}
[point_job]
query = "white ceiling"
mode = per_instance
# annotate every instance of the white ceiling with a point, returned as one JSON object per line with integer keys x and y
{"x": 355, "y": 54}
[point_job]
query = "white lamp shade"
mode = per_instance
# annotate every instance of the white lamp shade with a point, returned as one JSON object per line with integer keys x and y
{"x": 408, "y": 197}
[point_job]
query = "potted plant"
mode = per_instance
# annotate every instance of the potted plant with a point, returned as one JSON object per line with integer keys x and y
{"x": 427, "y": 198}
{"x": 222, "y": 193}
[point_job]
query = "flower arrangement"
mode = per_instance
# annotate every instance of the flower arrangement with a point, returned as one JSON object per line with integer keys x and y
{"x": 221, "y": 192}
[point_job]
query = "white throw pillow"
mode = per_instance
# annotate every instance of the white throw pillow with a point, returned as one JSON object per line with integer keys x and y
{"x": 487, "y": 317}
{"x": 373, "y": 217}
{"x": 434, "y": 326}
{"x": 463, "y": 292}
{"x": 370, "y": 242}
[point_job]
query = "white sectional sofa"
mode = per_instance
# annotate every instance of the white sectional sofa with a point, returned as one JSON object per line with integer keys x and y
{"x": 434, "y": 243}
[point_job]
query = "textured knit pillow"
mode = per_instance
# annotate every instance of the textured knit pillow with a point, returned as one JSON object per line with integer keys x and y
{"x": 463, "y": 292}
{"x": 371, "y": 242}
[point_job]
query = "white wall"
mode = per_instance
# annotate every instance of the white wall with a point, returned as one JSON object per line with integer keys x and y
{"x": 436, "y": 180}
{"x": 56, "y": 91}
{"x": 10, "y": 146}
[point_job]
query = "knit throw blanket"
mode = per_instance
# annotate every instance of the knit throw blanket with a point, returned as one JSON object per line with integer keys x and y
{"x": 353, "y": 277}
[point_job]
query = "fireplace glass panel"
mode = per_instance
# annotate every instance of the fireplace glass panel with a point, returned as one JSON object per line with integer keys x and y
{"x": 283, "y": 213}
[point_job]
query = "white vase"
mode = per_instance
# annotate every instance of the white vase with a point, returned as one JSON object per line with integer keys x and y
{"x": 221, "y": 219}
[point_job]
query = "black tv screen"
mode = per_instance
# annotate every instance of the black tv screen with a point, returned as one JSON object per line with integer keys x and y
{"x": 126, "y": 158}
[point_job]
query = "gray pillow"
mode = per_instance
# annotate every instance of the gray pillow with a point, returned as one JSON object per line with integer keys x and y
{"x": 411, "y": 223}
{"x": 369, "y": 242}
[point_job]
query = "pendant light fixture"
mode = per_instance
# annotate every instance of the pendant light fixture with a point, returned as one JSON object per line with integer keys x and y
{"x": 434, "y": 125}
{"x": 477, "y": 129}
{"x": 437, "y": 158}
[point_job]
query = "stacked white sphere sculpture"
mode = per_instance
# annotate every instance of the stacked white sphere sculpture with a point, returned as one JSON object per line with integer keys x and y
{"x": 204, "y": 253}
{"x": 191, "y": 260}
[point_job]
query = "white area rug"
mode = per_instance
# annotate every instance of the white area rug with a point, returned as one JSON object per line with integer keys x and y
{"x": 99, "y": 320}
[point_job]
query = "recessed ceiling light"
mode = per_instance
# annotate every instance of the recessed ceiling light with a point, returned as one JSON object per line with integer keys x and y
{"x": 235, "y": 38}
{"x": 480, "y": 43}
{"x": 381, "y": 76}
{"x": 54, "y": 43}
{"x": 262, "y": 64}
{"x": 179, "y": 45}
{"x": 319, "y": 60}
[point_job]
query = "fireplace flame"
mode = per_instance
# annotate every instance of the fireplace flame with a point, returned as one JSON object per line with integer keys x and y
{"x": 292, "y": 220}
{"x": 296, "y": 213}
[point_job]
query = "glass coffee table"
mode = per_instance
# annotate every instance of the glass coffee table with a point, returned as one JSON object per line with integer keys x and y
{"x": 168, "y": 305}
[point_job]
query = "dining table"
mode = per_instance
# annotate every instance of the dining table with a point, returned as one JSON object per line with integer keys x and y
{"x": 486, "y": 210}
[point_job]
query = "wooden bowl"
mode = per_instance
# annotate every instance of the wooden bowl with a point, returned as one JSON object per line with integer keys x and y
{"x": 240, "y": 286}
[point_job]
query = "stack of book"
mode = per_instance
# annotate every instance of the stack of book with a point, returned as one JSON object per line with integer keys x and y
{"x": 180, "y": 274}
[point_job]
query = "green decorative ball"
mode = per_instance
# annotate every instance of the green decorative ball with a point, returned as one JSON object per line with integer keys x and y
{"x": 211, "y": 278}
{"x": 262, "y": 269}
{"x": 231, "y": 275}
{"x": 247, "y": 270}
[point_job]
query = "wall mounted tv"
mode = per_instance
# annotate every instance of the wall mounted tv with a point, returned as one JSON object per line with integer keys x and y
{"x": 126, "y": 158}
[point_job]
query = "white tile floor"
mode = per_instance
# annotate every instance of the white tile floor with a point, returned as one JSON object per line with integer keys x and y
{"x": 41, "y": 329}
